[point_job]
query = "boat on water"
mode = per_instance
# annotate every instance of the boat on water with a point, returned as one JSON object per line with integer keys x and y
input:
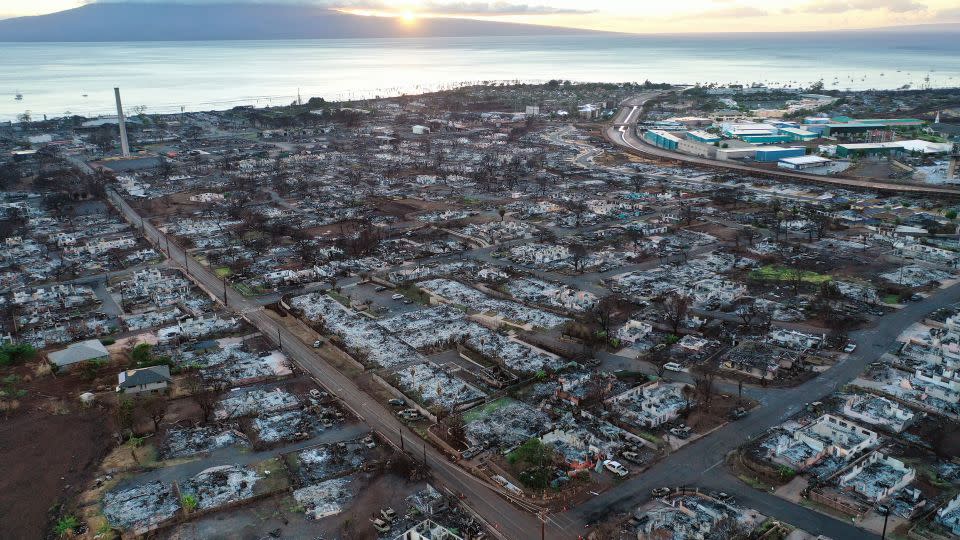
{"x": 18, "y": 96}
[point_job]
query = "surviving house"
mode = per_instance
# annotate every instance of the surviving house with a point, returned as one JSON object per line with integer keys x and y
{"x": 77, "y": 353}
{"x": 152, "y": 379}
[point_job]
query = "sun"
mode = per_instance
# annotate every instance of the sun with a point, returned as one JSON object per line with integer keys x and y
{"x": 408, "y": 16}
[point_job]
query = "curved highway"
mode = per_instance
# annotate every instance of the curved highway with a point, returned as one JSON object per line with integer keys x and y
{"x": 622, "y": 133}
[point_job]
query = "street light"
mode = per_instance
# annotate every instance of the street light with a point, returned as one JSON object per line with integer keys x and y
{"x": 885, "y": 511}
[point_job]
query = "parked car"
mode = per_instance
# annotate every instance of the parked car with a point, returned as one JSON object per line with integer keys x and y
{"x": 850, "y": 348}
{"x": 632, "y": 457}
{"x": 672, "y": 366}
{"x": 680, "y": 432}
{"x": 380, "y": 525}
{"x": 317, "y": 344}
{"x": 379, "y": 288}
{"x": 388, "y": 514}
{"x": 369, "y": 442}
{"x": 660, "y": 492}
{"x": 738, "y": 413}
{"x": 397, "y": 296}
{"x": 409, "y": 414}
{"x": 397, "y": 402}
{"x": 616, "y": 468}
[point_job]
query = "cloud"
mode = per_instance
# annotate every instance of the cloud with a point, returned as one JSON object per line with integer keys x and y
{"x": 733, "y": 12}
{"x": 834, "y": 6}
{"x": 952, "y": 13}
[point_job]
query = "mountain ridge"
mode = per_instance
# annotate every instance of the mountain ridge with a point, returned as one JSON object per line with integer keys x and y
{"x": 242, "y": 21}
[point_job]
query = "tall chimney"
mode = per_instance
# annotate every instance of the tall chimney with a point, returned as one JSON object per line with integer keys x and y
{"x": 122, "y": 122}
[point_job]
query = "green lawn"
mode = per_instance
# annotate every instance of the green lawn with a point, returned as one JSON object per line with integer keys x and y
{"x": 223, "y": 272}
{"x": 243, "y": 289}
{"x": 485, "y": 409}
{"x": 780, "y": 273}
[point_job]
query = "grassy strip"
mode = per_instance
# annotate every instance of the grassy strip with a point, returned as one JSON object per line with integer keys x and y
{"x": 779, "y": 273}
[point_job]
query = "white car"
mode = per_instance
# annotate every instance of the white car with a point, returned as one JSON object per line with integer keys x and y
{"x": 672, "y": 366}
{"x": 850, "y": 348}
{"x": 397, "y": 296}
{"x": 616, "y": 468}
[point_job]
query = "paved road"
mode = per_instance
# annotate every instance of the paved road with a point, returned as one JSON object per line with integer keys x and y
{"x": 700, "y": 464}
{"x": 510, "y": 521}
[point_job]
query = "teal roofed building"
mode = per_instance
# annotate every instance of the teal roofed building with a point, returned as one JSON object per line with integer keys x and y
{"x": 703, "y": 136}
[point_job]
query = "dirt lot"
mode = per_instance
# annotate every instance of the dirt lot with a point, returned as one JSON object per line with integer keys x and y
{"x": 280, "y": 515}
{"x": 51, "y": 447}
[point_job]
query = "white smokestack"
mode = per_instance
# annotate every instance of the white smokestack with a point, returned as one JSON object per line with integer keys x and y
{"x": 122, "y": 122}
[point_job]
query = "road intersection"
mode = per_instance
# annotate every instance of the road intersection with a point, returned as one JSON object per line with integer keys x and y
{"x": 700, "y": 464}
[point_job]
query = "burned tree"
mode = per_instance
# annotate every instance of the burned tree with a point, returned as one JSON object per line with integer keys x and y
{"x": 674, "y": 308}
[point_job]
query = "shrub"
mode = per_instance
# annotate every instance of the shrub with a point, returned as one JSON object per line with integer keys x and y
{"x": 66, "y": 525}
{"x": 189, "y": 502}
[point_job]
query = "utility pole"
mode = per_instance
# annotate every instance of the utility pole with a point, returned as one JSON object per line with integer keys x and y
{"x": 226, "y": 302}
{"x": 424, "y": 454}
{"x": 886, "y": 514}
{"x": 400, "y": 431}
{"x": 279, "y": 339}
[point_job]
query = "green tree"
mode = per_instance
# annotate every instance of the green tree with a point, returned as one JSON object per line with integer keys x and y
{"x": 13, "y": 354}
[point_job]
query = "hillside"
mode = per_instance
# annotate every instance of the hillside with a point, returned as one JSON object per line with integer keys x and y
{"x": 182, "y": 22}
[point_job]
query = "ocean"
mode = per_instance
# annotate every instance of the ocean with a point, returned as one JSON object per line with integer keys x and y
{"x": 78, "y": 78}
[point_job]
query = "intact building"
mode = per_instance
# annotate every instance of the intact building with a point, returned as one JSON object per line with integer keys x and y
{"x": 703, "y": 136}
{"x": 776, "y": 153}
{"x": 662, "y": 139}
{"x": 803, "y": 162}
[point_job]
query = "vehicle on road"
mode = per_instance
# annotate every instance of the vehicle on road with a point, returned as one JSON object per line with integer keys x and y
{"x": 850, "y": 348}
{"x": 397, "y": 296}
{"x": 738, "y": 413}
{"x": 632, "y": 457}
{"x": 616, "y": 468}
{"x": 660, "y": 492}
{"x": 673, "y": 366}
{"x": 397, "y": 402}
{"x": 379, "y": 288}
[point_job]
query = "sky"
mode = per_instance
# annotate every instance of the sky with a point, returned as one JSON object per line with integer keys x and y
{"x": 636, "y": 16}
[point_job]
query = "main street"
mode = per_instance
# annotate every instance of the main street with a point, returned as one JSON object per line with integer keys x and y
{"x": 508, "y": 520}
